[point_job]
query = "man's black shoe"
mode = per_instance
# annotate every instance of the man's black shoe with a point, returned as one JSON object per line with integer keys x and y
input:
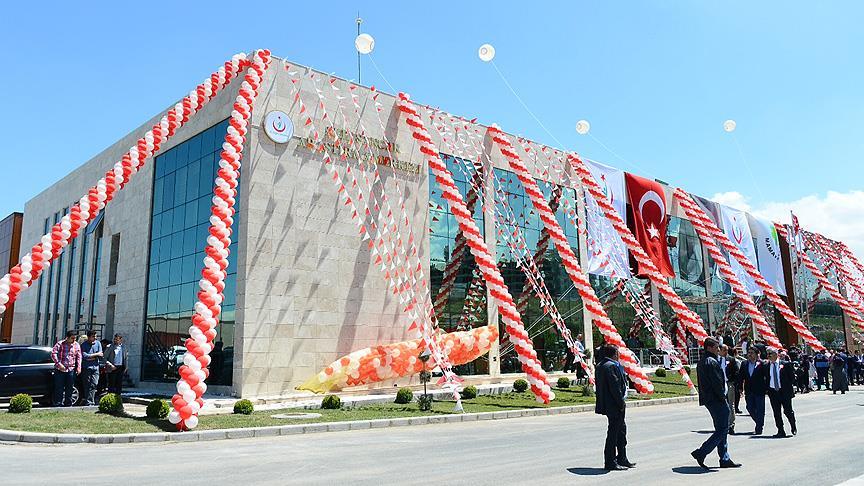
{"x": 731, "y": 430}
{"x": 794, "y": 430}
{"x": 729, "y": 464}
{"x": 699, "y": 459}
{"x": 780, "y": 434}
{"x": 626, "y": 463}
{"x": 757, "y": 432}
{"x": 614, "y": 467}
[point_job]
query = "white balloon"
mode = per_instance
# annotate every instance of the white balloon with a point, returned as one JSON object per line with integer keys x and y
{"x": 729, "y": 126}
{"x": 582, "y": 127}
{"x": 191, "y": 422}
{"x": 486, "y": 52}
{"x": 189, "y": 396}
{"x": 174, "y": 417}
{"x": 183, "y": 387}
{"x": 364, "y": 43}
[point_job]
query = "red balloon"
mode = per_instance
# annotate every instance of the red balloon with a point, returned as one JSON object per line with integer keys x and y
{"x": 185, "y": 412}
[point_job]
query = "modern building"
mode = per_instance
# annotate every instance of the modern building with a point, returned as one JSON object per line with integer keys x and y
{"x": 10, "y": 247}
{"x": 303, "y": 287}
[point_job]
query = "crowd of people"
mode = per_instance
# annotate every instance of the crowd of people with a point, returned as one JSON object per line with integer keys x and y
{"x": 724, "y": 378}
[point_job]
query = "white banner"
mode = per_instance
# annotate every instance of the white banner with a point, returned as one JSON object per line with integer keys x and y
{"x": 768, "y": 251}
{"x": 738, "y": 231}
{"x": 609, "y": 256}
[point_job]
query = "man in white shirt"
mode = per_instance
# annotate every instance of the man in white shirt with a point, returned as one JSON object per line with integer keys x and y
{"x": 781, "y": 389}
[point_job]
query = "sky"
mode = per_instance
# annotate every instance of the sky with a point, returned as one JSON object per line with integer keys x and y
{"x": 655, "y": 79}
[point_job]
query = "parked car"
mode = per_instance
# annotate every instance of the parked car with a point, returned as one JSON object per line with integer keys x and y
{"x": 28, "y": 369}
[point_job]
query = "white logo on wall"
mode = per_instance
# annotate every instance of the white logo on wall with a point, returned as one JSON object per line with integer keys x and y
{"x": 278, "y": 126}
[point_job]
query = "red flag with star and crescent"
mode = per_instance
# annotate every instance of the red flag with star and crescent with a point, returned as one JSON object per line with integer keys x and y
{"x": 648, "y": 217}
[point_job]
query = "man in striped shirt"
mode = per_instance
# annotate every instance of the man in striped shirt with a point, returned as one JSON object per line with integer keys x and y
{"x": 67, "y": 364}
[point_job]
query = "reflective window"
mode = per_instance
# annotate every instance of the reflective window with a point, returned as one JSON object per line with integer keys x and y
{"x": 182, "y": 193}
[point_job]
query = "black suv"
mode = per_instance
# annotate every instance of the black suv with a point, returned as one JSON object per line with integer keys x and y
{"x": 28, "y": 369}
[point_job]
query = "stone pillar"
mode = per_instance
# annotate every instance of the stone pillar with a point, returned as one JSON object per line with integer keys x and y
{"x": 587, "y": 317}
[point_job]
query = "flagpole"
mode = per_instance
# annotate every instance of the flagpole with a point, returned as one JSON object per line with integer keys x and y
{"x": 359, "y": 21}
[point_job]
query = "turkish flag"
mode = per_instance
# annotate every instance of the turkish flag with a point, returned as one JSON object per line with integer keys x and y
{"x": 648, "y": 217}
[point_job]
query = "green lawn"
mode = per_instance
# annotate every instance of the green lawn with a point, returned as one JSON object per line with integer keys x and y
{"x": 97, "y": 423}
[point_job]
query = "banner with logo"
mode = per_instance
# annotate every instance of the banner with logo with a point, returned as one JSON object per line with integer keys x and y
{"x": 737, "y": 229}
{"x": 612, "y": 253}
{"x": 768, "y": 251}
{"x": 648, "y": 201}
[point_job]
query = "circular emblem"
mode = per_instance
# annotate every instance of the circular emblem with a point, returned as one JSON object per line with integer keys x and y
{"x": 278, "y": 126}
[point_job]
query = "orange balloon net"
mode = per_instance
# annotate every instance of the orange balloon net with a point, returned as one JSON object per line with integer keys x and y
{"x": 390, "y": 361}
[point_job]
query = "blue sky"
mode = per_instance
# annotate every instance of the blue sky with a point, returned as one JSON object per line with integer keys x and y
{"x": 656, "y": 79}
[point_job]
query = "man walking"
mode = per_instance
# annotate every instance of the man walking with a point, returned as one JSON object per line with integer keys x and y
{"x": 611, "y": 391}
{"x": 755, "y": 382}
{"x": 781, "y": 389}
{"x": 66, "y": 355}
{"x": 712, "y": 395}
{"x": 91, "y": 350}
{"x": 116, "y": 358}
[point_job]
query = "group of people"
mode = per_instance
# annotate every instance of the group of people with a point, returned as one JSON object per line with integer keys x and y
{"x": 87, "y": 359}
{"x": 723, "y": 379}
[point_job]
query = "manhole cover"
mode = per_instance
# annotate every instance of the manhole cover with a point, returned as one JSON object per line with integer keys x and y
{"x": 296, "y": 416}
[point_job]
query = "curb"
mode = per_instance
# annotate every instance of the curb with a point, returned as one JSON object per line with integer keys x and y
{"x": 278, "y": 430}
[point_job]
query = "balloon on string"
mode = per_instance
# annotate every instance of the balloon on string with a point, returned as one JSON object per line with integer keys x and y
{"x": 582, "y": 127}
{"x": 364, "y": 43}
{"x": 729, "y": 126}
{"x": 486, "y": 52}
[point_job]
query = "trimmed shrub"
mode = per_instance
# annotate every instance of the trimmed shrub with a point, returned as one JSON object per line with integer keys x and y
{"x": 520, "y": 385}
{"x": 331, "y": 402}
{"x": 563, "y": 382}
{"x": 111, "y": 403}
{"x": 21, "y": 403}
{"x": 660, "y": 373}
{"x": 157, "y": 409}
{"x": 469, "y": 391}
{"x": 404, "y": 395}
{"x": 244, "y": 407}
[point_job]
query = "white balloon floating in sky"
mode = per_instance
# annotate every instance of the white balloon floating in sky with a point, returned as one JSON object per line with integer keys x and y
{"x": 364, "y": 43}
{"x": 729, "y": 126}
{"x": 486, "y": 52}
{"x": 582, "y": 127}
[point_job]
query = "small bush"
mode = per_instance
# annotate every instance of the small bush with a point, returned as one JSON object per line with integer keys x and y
{"x": 244, "y": 407}
{"x": 687, "y": 369}
{"x": 331, "y": 402}
{"x": 404, "y": 395}
{"x": 520, "y": 385}
{"x": 587, "y": 391}
{"x": 563, "y": 382}
{"x": 21, "y": 403}
{"x": 469, "y": 391}
{"x": 660, "y": 373}
{"x": 111, "y": 403}
{"x": 424, "y": 402}
{"x": 157, "y": 409}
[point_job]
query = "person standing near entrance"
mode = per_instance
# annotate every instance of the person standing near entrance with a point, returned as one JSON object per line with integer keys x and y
{"x": 755, "y": 383}
{"x": 91, "y": 350}
{"x": 730, "y": 372}
{"x": 712, "y": 395}
{"x": 116, "y": 359}
{"x": 611, "y": 392}
{"x": 66, "y": 355}
{"x": 781, "y": 390}
{"x": 820, "y": 362}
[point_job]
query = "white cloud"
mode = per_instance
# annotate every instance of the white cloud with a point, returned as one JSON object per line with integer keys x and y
{"x": 837, "y": 215}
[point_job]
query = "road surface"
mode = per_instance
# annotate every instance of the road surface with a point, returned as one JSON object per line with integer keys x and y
{"x": 562, "y": 449}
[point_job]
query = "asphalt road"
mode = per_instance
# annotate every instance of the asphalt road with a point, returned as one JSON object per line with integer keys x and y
{"x": 542, "y": 450}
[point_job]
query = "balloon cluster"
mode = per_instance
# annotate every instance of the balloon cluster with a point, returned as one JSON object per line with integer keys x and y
{"x": 390, "y": 361}
{"x": 191, "y": 387}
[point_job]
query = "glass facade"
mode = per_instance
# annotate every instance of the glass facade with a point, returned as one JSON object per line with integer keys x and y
{"x": 182, "y": 193}
{"x": 685, "y": 253}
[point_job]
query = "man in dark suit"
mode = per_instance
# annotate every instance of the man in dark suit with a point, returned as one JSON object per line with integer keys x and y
{"x": 781, "y": 390}
{"x": 611, "y": 391}
{"x": 730, "y": 370}
{"x": 755, "y": 383}
{"x": 712, "y": 395}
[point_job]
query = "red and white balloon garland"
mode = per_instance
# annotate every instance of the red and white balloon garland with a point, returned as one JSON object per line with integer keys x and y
{"x": 726, "y": 270}
{"x": 190, "y": 388}
{"x": 51, "y": 245}
{"x": 537, "y": 378}
{"x": 571, "y": 265}
{"x": 684, "y": 314}
{"x": 699, "y": 218}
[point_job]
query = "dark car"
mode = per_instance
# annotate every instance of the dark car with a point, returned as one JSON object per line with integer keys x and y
{"x": 28, "y": 369}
